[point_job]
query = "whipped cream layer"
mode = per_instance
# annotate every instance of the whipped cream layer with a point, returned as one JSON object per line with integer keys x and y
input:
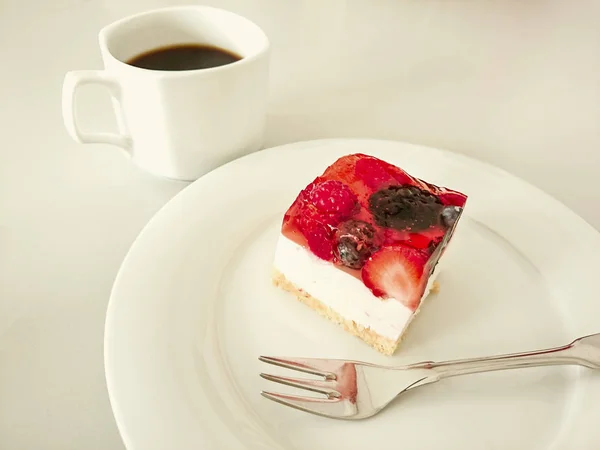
{"x": 342, "y": 292}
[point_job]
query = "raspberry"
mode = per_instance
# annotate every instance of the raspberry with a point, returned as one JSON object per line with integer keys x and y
{"x": 305, "y": 193}
{"x": 319, "y": 239}
{"x": 333, "y": 197}
{"x": 308, "y": 215}
{"x": 317, "y": 229}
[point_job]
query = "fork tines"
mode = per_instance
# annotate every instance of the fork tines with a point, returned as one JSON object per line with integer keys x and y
{"x": 314, "y": 366}
{"x": 326, "y": 385}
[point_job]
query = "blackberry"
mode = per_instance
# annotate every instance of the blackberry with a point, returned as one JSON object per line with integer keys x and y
{"x": 355, "y": 242}
{"x": 405, "y": 208}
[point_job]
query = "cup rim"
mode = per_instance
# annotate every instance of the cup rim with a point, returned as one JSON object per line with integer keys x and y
{"x": 102, "y": 37}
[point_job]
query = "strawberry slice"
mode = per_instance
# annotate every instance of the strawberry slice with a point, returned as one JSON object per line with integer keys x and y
{"x": 397, "y": 272}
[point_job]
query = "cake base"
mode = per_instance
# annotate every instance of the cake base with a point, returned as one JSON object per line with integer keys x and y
{"x": 380, "y": 343}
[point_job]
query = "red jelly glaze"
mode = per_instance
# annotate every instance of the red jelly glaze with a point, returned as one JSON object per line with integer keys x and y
{"x": 342, "y": 193}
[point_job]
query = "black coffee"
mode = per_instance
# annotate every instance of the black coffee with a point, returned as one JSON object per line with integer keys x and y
{"x": 184, "y": 57}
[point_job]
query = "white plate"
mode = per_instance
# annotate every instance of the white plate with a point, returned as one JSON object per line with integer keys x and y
{"x": 193, "y": 307}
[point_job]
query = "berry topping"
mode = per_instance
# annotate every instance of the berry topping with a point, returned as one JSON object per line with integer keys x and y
{"x": 324, "y": 203}
{"x": 405, "y": 208}
{"x": 333, "y": 197}
{"x": 356, "y": 241}
{"x": 452, "y": 198}
{"x": 343, "y": 169}
{"x": 377, "y": 173}
{"x": 450, "y": 215}
{"x": 305, "y": 193}
{"x": 417, "y": 240}
{"x": 397, "y": 272}
{"x": 319, "y": 239}
{"x": 308, "y": 215}
{"x": 367, "y": 215}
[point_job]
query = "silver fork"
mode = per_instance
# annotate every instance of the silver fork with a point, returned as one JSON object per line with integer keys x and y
{"x": 357, "y": 390}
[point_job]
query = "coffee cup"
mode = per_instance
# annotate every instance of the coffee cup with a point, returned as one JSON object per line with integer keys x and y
{"x": 188, "y": 87}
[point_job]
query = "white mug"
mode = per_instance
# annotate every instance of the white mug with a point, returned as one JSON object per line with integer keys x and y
{"x": 179, "y": 124}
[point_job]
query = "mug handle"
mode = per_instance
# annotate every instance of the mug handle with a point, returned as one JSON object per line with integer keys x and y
{"x": 74, "y": 80}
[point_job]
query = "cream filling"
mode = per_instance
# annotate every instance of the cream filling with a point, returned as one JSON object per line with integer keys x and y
{"x": 342, "y": 292}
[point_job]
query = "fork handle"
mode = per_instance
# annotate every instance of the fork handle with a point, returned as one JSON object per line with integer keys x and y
{"x": 571, "y": 354}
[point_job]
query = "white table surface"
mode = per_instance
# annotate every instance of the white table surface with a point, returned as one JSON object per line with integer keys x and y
{"x": 515, "y": 83}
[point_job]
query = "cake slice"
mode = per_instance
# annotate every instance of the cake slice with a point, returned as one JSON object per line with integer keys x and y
{"x": 360, "y": 245}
